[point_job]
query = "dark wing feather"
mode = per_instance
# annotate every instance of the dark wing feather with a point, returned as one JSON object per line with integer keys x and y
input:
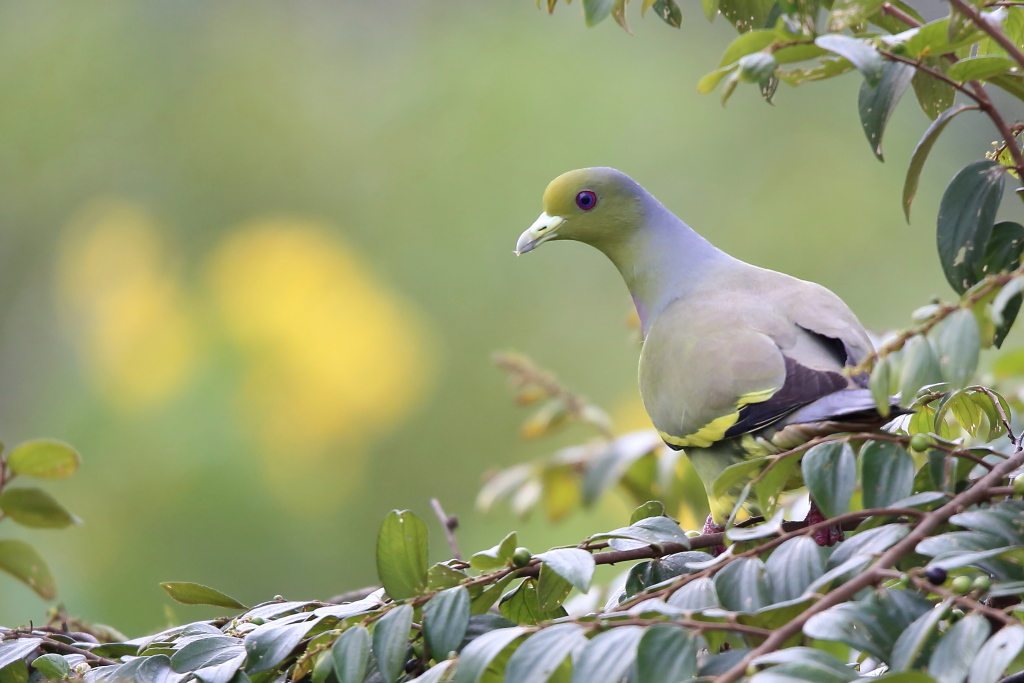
{"x": 803, "y": 385}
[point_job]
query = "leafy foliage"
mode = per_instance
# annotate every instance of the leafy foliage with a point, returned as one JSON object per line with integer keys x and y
{"x": 926, "y": 587}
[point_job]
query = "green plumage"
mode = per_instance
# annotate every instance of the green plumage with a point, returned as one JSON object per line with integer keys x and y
{"x": 737, "y": 361}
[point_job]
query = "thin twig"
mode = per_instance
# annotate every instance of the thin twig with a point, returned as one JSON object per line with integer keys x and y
{"x": 1003, "y": 417}
{"x": 899, "y": 14}
{"x": 450, "y": 524}
{"x": 979, "y": 20}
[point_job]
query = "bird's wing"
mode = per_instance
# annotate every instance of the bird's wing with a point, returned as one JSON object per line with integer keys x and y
{"x": 720, "y": 366}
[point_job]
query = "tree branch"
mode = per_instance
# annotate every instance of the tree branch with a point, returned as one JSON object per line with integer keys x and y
{"x": 982, "y": 490}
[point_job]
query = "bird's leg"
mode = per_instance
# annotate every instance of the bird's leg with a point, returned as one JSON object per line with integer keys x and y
{"x": 711, "y": 528}
{"x": 828, "y": 536}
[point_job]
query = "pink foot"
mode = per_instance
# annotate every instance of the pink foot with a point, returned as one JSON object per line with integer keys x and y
{"x": 711, "y": 528}
{"x": 828, "y": 536}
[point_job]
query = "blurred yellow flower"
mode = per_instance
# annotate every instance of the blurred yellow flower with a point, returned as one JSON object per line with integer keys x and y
{"x": 333, "y": 356}
{"x": 124, "y": 305}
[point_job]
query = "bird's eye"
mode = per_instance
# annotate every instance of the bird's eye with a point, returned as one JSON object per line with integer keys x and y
{"x": 586, "y": 200}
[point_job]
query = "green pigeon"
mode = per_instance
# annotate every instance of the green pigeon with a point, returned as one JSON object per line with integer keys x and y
{"x": 738, "y": 361}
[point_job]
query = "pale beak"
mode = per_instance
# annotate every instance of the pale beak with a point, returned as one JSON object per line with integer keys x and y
{"x": 541, "y": 231}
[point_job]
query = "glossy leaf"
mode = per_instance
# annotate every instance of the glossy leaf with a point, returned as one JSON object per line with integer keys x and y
{"x": 573, "y": 564}
{"x": 878, "y": 99}
{"x": 980, "y": 68}
{"x": 44, "y": 459}
{"x": 881, "y": 378}
{"x": 665, "y": 654}
{"x": 607, "y": 656}
{"x": 543, "y": 652}
{"x": 920, "y": 368}
{"x": 53, "y": 667}
{"x": 966, "y": 216}
{"x": 887, "y": 473}
{"x": 270, "y": 645}
{"x": 351, "y": 655}
{"x": 35, "y": 508}
{"x": 794, "y": 566}
{"x": 848, "y": 13}
{"x": 497, "y": 556}
{"x": 16, "y": 650}
{"x": 958, "y": 343}
{"x": 996, "y": 654}
{"x": 21, "y": 561}
{"x": 746, "y": 15}
{"x": 952, "y": 657}
{"x": 552, "y": 589}
{"x": 652, "y": 508}
{"x": 649, "y": 531}
{"x": 934, "y": 95}
{"x": 830, "y": 471}
{"x": 188, "y": 593}
{"x": 669, "y": 12}
{"x": 924, "y": 147}
{"x": 445, "y": 619}
{"x": 402, "y": 554}
{"x": 522, "y": 605}
{"x": 391, "y": 641}
{"x": 596, "y": 11}
{"x": 914, "y": 642}
{"x": 859, "y": 53}
{"x": 743, "y": 585}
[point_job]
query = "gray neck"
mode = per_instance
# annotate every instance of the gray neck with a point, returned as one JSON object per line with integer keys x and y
{"x": 663, "y": 261}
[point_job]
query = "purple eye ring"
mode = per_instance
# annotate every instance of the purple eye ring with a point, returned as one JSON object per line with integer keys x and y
{"x": 586, "y": 200}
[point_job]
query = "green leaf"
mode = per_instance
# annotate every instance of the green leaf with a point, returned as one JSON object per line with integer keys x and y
{"x": 269, "y": 645}
{"x": 35, "y": 508}
{"x": 696, "y": 595}
{"x": 803, "y": 663}
{"x": 871, "y": 625}
{"x": 877, "y": 101}
{"x": 952, "y": 657}
{"x": 735, "y": 474}
{"x": 445, "y": 619}
{"x": 351, "y": 655}
{"x": 402, "y": 555}
{"x": 794, "y": 566}
{"x": 958, "y": 343}
{"x": 745, "y": 44}
{"x": 552, "y": 589}
{"x": 934, "y": 95}
{"x": 666, "y": 654}
{"x": 483, "y": 602}
{"x": 913, "y": 643}
{"x": 828, "y": 68}
{"x": 44, "y": 459}
{"x": 608, "y": 656}
{"x": 966, "y": 216}
{"x": 17, "y": 650}
{"x": 573, "y": 564}
{"x": 1002, "y": 253}
{"x": 596, "y": 11}
{"x": 391, "y": 641}
{"x": 743, "y": 585}
{"x": 710, "y": 81}
{"x": 652, "y": 508}
{"x": 654, "y": 531}
{"x": 481, "y": 651}
{"x": 188, "y": 593}
{"x": 920, "y": 368}
{"x": 869, "y": 542}
{"x": 848, "y": 13}
{"x": 497, "y": 556}
{"x": 537, "y": 659}
{"x": 996, "y": 654}
{"x": 887, "y": 473}
{"x": 522, "y": 606}
{"x": 859, "y": 53}
{"x": 746, "y": 14}
{"x": 21, "y": 561}
{"x": 980, "y": 68}
{"x": 773, "y": 483}
{"x": 830, "y": 471}
{"x": 881, "y": 378}
{"x": 441, "y": 576}
{"x": 54, "y": 667}
{"x": 924, "y": 147}
{"x": 669, "y": 12}
{"x": 215, "y": 652}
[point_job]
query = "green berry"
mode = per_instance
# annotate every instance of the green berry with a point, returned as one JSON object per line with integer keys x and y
{"x": 961, "y": 585}
{"x": 521, "y": 557}
{"x": 1018, "y": 485}
{"x": 898, "y": 48}
{"x": 981, "y": 584}
{"x": 919, "y": 442}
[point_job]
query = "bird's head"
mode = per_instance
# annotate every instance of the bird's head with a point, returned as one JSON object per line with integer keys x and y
{"x": 598, "y": 206}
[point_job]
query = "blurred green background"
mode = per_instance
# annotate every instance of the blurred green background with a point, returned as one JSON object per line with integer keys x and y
{"x": 254, "y": 257}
